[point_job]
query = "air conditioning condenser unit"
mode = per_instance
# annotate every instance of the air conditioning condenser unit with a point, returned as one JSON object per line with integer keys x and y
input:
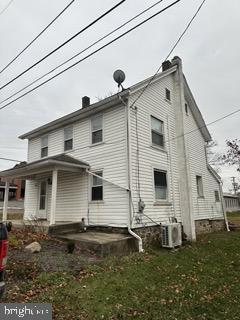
{"x": 171, "y": 235}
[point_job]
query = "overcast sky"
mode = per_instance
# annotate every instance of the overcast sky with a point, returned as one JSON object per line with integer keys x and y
{"x": 210, "y": 54}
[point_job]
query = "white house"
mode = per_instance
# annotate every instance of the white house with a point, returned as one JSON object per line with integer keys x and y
{"x": 114, "y": 164}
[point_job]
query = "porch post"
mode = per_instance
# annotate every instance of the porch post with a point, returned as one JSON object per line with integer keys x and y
{"x": 54, "y": 196}
{"x": 5, "y": 204}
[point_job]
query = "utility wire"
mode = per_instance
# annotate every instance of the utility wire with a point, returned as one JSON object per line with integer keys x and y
{"x": 7, "y": 159}
{"x": 204, "y": 126}
{"x": 31, "y": 42}
{"x": 174, "y": 46}
{"x": 63, "y": 44}
{"x": 91, "y": 54}
{"x": 87, "y": 48}
{"x": 186, "y": 133}
{"x": 5, "y": 8}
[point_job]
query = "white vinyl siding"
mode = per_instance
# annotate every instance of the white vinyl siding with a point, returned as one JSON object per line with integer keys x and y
{"x": 153, "y": 104}
{"x": 73, "y": 198}
{"x": 204, "y": 207}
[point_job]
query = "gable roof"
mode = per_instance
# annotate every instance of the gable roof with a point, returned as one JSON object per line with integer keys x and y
{"x": 196, "y": 112}
{"x": 115, "y": 100}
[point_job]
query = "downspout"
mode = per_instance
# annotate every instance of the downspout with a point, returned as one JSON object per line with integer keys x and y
{"x": 139, "y": 239}
{"x": 223, "y": 207}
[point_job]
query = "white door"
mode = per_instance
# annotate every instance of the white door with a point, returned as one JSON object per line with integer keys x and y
{"x": 42, "y": 210}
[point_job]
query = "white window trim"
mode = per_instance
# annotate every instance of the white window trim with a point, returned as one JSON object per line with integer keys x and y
{"x": 101, "y": 142}
{"x": 42, "y": 147}
{"x": 160, "y": 201}
{"x": 68, "y": 139}
{"x": 155, "y": 146}
{"x": 199, "y": 196}
{"x": 165, "y": 95}
{"x": 95, "y": 171}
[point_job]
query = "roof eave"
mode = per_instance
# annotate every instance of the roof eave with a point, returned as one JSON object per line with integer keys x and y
{"x": 76, "y": 115}
{"x": 14, "y": 172}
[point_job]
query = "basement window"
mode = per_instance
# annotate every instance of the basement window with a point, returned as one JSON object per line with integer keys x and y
{"x": 68, "y": 138}
{"x": 157, "y": 127}
{"x": 199, "y": 186}
{"x": 44, "y": 146}
{"x": 160, "y": 184}
{"x": 168, "y": 94}
{"x": 97, "y": 187}
{"x": 97, "y": 129}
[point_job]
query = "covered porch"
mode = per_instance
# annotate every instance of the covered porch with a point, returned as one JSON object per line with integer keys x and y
{"x": 49, "y": 187}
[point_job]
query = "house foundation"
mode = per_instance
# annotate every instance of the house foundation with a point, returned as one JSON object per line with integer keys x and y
{"x": 209, "y": 225}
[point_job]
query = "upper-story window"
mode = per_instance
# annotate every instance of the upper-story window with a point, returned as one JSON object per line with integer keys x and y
{"x": 44, "y": 146}
{"x": 186, "y": 108}
{"x": 199, "y": 186}
{"x": 168, "y": 94}
{"x": 157, "y": 127}
{"x": 68, "y": 138}
{"x": 97, "y": 129}
{"x": 160, "y": 184}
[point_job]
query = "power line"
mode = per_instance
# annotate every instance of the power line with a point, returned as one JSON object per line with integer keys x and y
{"x": 205, "y": 126}
{"x": 91, "y": 54}
{"x": 186, "y": 133}
{"x": 82, "y": 51}
{"x": 63, "y": 44}
{"x": 31, "y": 42}
{"x": 170, "y": 52}
{"x": 13, "y": 160}
{"x": 5, "y": 8}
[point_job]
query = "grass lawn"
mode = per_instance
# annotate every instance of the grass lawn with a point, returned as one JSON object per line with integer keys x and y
{"x": 199, "y": 281}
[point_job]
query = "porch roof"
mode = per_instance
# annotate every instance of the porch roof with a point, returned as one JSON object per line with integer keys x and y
{"x": 60, "y": 161}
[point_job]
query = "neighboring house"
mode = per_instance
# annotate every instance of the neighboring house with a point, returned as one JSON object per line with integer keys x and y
{"x": 16, "y": 189}
{"x": 232, "y": 202}
{"x": 112, "y": 164}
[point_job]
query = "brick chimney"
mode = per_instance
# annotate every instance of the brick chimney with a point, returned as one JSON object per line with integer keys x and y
{"x": 166, "y": 65}
{"x": 85, "y": 102}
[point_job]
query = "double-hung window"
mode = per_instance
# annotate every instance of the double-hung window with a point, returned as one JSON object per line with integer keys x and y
{"x": 217, "y": 198}
{"x": 97, "y": 129}
{"x": 68, "y": 138}
{"x": 157, "y": 129}
{"x": 44, "y": 146}
{"x": 168, "y": 94}
{"x": 160, "y": 184}
{"x": 199, "y": 186}
{"x": 97, "y": 187}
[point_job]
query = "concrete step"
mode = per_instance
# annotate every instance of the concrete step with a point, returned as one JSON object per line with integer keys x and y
{"x": 65, "y": 227}
{"x": 103, "y": 244}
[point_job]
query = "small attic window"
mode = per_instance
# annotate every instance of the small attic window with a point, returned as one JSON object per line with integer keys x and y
{"x": 186, "y": 108}
{"x": 168, "y": 94}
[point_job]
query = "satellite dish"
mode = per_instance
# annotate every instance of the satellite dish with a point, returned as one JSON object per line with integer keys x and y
{"x": 119, "y": 77}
